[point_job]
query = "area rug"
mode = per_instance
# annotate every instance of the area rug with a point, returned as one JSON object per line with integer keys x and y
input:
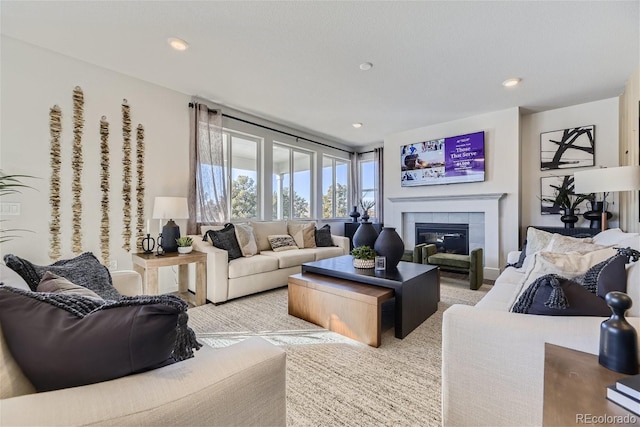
{"x": 333, "y": 380}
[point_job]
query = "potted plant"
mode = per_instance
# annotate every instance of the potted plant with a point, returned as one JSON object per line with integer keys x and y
{"x": 363, "y": 257}
{"x": 184, "y": 244}
{"x": 10, "y": 184}
{"x": 567, "y": 200}
{"x": 366, "y": 205}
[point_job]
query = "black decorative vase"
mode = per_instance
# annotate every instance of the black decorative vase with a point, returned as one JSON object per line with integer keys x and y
{"x": 365, "y": 216}
{"x": 389, "y": 245}
{"x": 618, "y": 339}
{"x": 569, "y": 218}
{"x": 355, "y": 214}
{"x": 595, "y": 215}
{"x": 365, "y": 235}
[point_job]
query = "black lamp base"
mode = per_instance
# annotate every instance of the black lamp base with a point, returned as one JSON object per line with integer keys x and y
{"x": 170, "y": 232}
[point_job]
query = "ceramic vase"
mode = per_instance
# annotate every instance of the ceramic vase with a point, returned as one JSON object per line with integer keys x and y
{"x": 618, "y": 339}
{"x": 390, "y": 245}
{"x": 185, "y": 249}
{"x": 365, "y": 235}
{"x": 355, "y": 214}
{"x": 569, "y": 218}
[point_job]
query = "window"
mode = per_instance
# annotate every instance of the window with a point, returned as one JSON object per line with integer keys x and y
{"x": 285, "y": 160}
{"x": 242, "y": 171}
{"x": 368, "y": 182}
{"x": 335, "y": 187}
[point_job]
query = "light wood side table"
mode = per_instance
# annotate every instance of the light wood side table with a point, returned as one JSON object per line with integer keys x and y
{"x": 147, "y": 265}
{"x": 575, "y": 387}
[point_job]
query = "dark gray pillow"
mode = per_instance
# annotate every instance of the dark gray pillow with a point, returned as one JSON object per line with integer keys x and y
{"x": 323, "y": 236}
{"x": 225, "y": 239}
{"x": 84, "y": 270}
{"x": 62, "y": 341}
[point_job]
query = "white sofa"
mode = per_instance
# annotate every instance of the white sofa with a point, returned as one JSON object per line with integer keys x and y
{"x": 240, "y": 385}
{"x": 493, "y": 359}
{"x": 266, "y": 270}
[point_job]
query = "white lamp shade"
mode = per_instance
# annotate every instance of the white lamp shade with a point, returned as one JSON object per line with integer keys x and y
{"x": 170, "y": 208}
{"x": 604, "y": 180}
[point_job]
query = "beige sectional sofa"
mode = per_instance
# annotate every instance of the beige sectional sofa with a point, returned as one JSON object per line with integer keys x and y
{"x": 493, "y": 359}
{"x": 266, "y": 270}
{"x": 243, "y": 384}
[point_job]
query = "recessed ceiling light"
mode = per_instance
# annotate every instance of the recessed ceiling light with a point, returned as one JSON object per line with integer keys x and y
{"x": 357, "y": 125}
{"x": 366, "y": 66}
{"x": 178, "y": 44}
{"x": 511, "y": 82}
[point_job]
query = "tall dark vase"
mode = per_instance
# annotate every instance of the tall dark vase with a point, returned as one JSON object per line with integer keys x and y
{"x": 365, "y": 235}
{"x": 569, "y": 218}
{"x": 355, "y": 214}
{"x": 389, "y": 245}
{"x": 595, "y": 215}
{"x": 618, "y": 339}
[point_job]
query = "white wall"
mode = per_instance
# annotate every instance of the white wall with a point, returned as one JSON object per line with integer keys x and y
{"x": 32, "y": 81}
{"x": 604, "y": 115}
{"x": 502, "y": 150}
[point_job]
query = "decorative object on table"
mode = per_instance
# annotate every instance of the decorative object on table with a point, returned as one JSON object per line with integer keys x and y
{"x": 389, "y": 245}
{"x": 147, "y": 244}
{"x": 366, "y": 205}
{"x": 568, "y": 148}
{"x": 355, "y": 214}
{"x": 170, "y": 208}
{"x": 55, "y": 129}
{"x": 381, "y": 263}
{"x": 104, "y": 188}
{"x": 184, "y": 244}
{"x": 160, "y": 248}
{"x": 618, "y": 339}
{"x": 126, "y": 176}
{"x": 558, "y": 196}
{"x": 605, "y": 180}
{"x": 363, "y": 257}
{"x": 76, "y": 164}
{"x": 365, "y": 235}
{"x": 140, "y": 183}
{"x": 595, "y": 215}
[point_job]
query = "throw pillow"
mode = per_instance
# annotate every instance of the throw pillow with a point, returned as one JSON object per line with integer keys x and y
{"x": 62, "y": 341}
{"x": 567, "y": 265}
{"x": 564, "y": 244}
{"x": 246, "y": 239}
{"x": 281, "y": 242}
{"x": 303, "y": 233}
{"x": 323, "y": 236}
{"x": 226, "y": 240}
{"x": 612, "y": 236}
{"x": 553, "y": 295}
{"x": 59, "y": 285}
{"x": 538, "y": 240}
{"x": 84, "y": 270}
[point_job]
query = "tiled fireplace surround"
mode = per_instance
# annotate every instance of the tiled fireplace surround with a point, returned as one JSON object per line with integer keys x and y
{"x": 480, "y": 211}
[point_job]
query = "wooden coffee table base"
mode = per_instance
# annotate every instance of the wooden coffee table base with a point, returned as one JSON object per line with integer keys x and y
{"x": 342, "y": 306}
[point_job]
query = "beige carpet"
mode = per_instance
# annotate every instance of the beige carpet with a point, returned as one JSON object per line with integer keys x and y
{"x": 333, "y": 380}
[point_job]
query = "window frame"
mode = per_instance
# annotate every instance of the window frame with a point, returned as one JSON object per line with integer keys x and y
{"x": 334, "y": 162}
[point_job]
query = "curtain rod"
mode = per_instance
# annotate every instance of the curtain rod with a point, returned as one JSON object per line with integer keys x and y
{"x": 191, "y": 105}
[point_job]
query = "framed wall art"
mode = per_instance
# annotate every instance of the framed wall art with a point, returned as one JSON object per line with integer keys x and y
{"x": 568, "y": 148}
{"x": 549, "y": 188}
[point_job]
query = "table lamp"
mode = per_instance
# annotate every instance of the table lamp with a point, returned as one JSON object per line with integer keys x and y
{"x": 170, "y": 208}
{"x": 605, "y": 180}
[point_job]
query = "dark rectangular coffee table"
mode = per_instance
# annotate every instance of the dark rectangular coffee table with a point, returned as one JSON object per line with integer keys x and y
{"x": 416, "y": 287}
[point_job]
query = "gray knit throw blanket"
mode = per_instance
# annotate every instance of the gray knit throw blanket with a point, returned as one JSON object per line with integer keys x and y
{"x": 557, "y": 299}
{"x": 81, "y": 306}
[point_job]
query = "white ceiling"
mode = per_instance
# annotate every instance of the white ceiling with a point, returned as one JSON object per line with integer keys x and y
{"x": 297, "y": 62}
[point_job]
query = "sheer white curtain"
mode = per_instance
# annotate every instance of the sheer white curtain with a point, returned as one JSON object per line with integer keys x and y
{"x": 379, "y": 174}
{"x": 208, "y": 187}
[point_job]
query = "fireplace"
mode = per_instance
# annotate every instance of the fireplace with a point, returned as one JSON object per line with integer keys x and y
{"x": 448, "y": 238}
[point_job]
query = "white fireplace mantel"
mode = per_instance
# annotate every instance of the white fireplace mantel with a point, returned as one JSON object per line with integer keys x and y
{"x": 488, "y": 203}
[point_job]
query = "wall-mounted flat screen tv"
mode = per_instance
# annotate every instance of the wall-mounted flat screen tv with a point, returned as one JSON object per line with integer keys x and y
{"x": 457, "y": 159}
